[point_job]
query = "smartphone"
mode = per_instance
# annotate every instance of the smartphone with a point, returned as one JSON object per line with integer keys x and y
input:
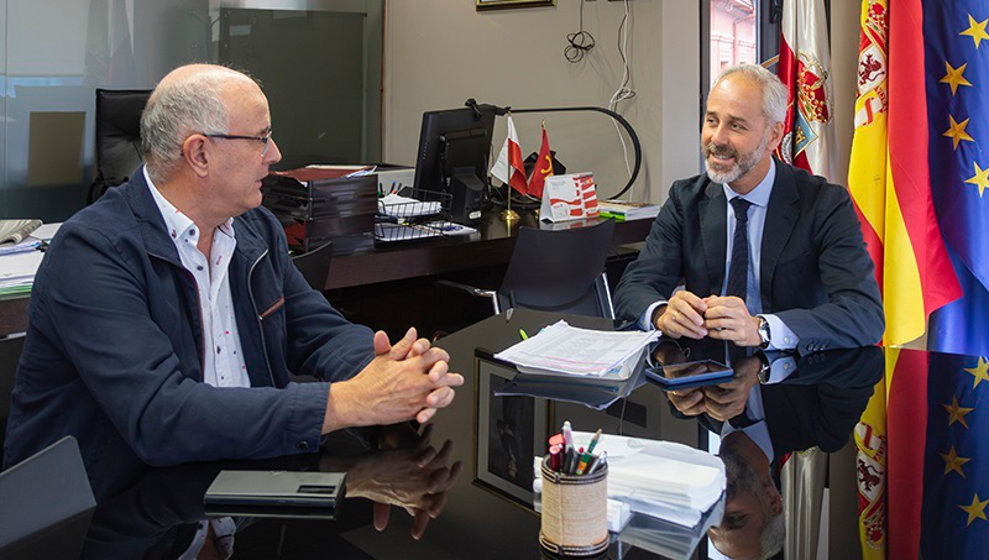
{"x": 690, "y": 374}
{"x": 273, "y": 491}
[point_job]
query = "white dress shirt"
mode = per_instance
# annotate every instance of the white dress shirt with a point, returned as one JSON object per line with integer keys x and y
{"x": 224, "y": 359}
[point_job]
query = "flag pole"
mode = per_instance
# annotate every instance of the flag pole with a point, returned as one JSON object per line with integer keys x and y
{"x": 508, "y": 215}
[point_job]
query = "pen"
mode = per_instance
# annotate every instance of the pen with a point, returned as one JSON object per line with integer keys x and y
{"x": 594, "y": 441}
{"x": 392, "y": 187}
{"x": 567, "y": 434}
{"x": 602, "y": 459}
{"x": 582, "y": 465}
{"x": 523, "y": 335}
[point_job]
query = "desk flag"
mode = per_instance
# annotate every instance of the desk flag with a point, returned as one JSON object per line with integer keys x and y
{"x": 509, "y": 168}
{"x": 805, "y": 69}
{"x": 542, "y": 169}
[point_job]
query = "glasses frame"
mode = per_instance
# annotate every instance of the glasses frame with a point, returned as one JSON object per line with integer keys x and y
{"x": 265, "y": 139}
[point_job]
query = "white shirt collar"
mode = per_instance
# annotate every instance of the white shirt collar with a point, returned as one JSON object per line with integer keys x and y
{"x": 176, "y": 223}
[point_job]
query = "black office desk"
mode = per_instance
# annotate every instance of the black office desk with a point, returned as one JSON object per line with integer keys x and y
{"x": 492, "y": 245}
{"x": 478, "y": 521}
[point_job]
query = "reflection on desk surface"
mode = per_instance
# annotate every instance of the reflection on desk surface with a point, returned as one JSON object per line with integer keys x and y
{"x": 424, "y": 493}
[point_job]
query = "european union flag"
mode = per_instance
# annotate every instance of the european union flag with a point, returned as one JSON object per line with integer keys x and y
{"x": 956, "y": 458}
{"x": 957, "y": 65}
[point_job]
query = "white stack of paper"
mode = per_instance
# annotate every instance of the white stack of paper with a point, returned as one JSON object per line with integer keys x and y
{"x": 661, "y": 479}
{"x": 17, "y": 271}
{"x": 562, "y": 349}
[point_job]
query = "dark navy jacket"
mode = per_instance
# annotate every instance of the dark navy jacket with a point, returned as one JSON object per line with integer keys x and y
{"x": 114, "y": 349}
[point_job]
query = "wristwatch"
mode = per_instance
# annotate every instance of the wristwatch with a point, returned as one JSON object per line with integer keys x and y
{"x": 764, "y": 335}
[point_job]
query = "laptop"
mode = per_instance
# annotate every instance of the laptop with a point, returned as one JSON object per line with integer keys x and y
{"x": 46, "y": 504}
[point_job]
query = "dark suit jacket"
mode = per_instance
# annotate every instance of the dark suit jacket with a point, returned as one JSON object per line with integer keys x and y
{"x": 814, "y": 272}
{"x": 820, "y": 403}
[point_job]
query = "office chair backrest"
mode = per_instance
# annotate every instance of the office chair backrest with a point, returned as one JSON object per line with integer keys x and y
{"x": 560, "y": 271}
{"x": 315, "y": 265}
{"x": 118, "y": 136}
{"x": 46, "y": 504}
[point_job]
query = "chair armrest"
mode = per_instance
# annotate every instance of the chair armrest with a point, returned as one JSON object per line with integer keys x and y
{"x": 474, "y": 291}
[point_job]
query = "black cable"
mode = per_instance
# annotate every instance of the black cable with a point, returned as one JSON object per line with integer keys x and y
{"x": 580, "y": 41}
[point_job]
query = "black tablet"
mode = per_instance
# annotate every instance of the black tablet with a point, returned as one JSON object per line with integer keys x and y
{"x": 690, "y": 374}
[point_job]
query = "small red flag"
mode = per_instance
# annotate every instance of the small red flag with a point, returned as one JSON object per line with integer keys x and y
{"x": 542, "y": 169}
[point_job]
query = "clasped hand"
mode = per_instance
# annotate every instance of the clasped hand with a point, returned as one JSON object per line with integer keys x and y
{"x": 723, "y": 401}
{"x": 409, "y": 380}
{"x": 720, "y": 317}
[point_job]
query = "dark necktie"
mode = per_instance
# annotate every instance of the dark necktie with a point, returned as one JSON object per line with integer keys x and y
{"x": 738, "y": 272}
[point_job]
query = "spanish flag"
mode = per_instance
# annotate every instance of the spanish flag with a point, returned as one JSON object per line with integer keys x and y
{"x": 889, "y": 180}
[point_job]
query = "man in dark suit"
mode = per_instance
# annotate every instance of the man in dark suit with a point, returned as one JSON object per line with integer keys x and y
{"x": 794, "y": 275}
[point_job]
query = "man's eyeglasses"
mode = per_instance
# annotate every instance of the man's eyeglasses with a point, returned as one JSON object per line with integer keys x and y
{"x": 263, "y": 139}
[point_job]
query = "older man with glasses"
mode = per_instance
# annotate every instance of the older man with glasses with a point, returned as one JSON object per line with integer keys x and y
{"x": 166, "y": 318}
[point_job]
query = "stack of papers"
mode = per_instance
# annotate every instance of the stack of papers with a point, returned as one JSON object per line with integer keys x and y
{"x": 670, "y": 540}
{"x": 560, "y": 349}
{"x": 661, "y": 479}
{"x": 17, "y": 272}
{"x": 405, "y": 207}
{"x": 621, "y": 210}
{"x": 20, "y": 262}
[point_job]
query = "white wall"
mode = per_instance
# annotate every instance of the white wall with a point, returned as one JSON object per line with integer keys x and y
{"x": 440, "y": 52}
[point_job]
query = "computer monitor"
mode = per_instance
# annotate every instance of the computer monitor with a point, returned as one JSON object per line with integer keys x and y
{"x": 452, "y": 142}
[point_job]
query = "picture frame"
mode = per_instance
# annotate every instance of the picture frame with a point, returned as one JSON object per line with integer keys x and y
{"x": 483, "y": 5}
{"x": 509, "y": 433}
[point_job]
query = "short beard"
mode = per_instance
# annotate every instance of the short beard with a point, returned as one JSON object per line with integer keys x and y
{"x": 743, "y": 163}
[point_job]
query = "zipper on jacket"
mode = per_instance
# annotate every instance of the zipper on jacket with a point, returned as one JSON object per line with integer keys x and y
{"x": 257, "y": 315}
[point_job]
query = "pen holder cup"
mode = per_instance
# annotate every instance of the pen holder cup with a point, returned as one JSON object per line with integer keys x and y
{"x": 574, "y": 512}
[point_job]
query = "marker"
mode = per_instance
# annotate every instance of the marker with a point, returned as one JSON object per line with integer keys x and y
{"x": 594, "y": 441}
{"x": 568, "y": 434}
{"x": 554, "y": 457}
{"x": 556, "y": 439}
{"x": 523, "y": 335}
{"x": 584, "y": 458}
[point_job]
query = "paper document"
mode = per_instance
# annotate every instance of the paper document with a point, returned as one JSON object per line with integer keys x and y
{"x": 405, "y": 207}
{"x": 19, "y": 269}
{"x": 564, "y": 349}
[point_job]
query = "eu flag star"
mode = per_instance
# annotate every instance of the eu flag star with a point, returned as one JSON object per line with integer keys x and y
{"x": 977, "y": 509}
{"x": 980, "y": 372}
{"x": 980, "y": 179}
{"x": 957, "y": 131}
{"x": 952, "y": 462}
{"x": 976, "y": 30}
{"x": 956, "y": 413}
{"x": 955, "y": 77}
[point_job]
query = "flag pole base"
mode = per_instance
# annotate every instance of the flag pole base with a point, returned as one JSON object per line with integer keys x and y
{"x": 509, "y": 216}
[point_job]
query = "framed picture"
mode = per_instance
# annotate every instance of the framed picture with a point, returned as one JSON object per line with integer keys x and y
{"x": 510, "y": 431}
{"x": 499, "y": 4}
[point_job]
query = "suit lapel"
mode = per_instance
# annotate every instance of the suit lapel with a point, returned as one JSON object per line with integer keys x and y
{"x": 713, "y": 234}
{"x": 781, "y": 216}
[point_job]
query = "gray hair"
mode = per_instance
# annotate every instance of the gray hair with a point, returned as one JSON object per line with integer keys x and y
{"x": 774, "y": 94}
{"x": 773, "y": 536}
{"x": 177, "y": 109}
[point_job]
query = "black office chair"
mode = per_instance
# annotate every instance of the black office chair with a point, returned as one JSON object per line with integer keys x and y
{"x": 555, "y": 270}
{"x": 118, "y": 137}
{"x": 315, "y": 265}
